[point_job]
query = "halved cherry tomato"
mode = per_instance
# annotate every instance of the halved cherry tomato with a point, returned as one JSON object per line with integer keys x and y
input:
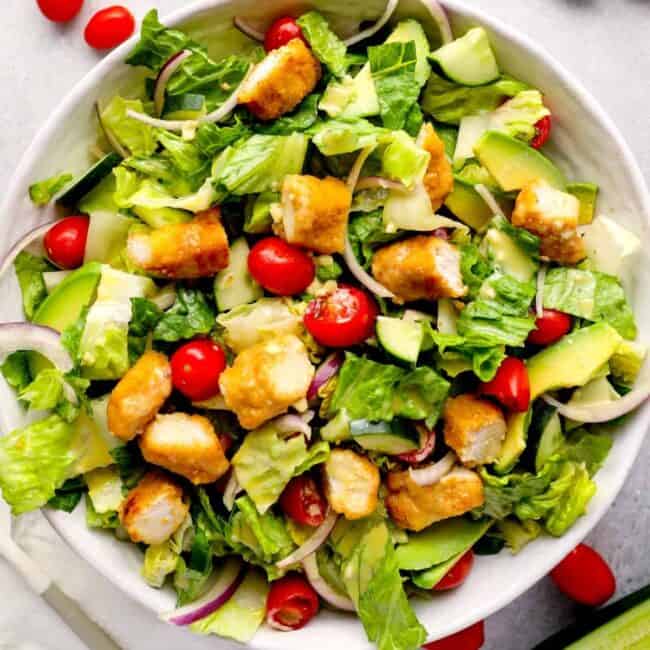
{"x": 471, "y": 638}
{"x": 542, "y": 132}
{"x": 510, "y": 385}
{"x": 60, "y": 11}
{"x": 282, "y": 31}
{"x": 196, "y": 368}
{"x": 458, "y": 573}
{"x": 65, "y": 242}
{"x": 109, "y": 27}
{"x": 342, "y": 318}
{"x": 281, "y": 268}
{"x": 550, "y": 327}
{"x": 303, "y": 501}
{"x": 291, "y": 603}
{"x": 585, "y": 576}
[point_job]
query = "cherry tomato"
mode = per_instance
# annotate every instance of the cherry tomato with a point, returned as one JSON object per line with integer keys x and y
{"x": 291, "y": 603}
{"x": 281, "y": 268}
{"x": 471, "y": 638}
{"x": 196, "y": 368}
{"x": 542, "y": 132}
{"x": 303, "y": 501}
{"x": 550, "y": 327}
{"x": 510, "y": 385}
{"x": 342, "y": 318}
{"x": 281, "y": 32}
{"x": 65, "y": 242}
{"x": 109, "y": 27}
{"x": 60, "y": 11}
{"x": 585, "y": 576}
{"x": 457, "y": 574}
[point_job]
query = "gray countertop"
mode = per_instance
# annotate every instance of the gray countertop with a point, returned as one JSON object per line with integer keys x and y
{"x": 603, "y": 42}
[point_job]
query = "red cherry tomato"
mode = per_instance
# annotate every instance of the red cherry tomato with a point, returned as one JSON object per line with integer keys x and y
{"x": 585, "y": 576}
{"x": 342, "y": 318}
{"x": 109, "y": 27}
{"x": 281, "y": 32}
{"x": 542, "y": 132}
{"x": 60, "y": 11}
{"x": 510, "y": 385}
{"x": 196, "y": 368}
{"x": 281, "y": 268}
{"x": 65, "y": 242}
{"x": 458, "y": 573}
{"x": 550, "y": 327}
{"x": 303, "y": 501}
{"x": 471, "y": 638}
{"x": 291, "y": 603}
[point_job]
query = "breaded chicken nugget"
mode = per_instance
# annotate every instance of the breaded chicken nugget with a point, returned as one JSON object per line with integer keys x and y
{"x": 139, "y": 395}
{"x": 439, "y": 178}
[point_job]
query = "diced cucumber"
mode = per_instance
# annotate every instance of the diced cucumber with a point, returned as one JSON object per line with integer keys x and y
{"x": 394, "y": 437}
{"x": 415, "y": 316}
{"x": 468, "y": 206}
{"x": 89, "y": 180}
{"x": 159, "y": 217}
{"x": 184, "y": 107}
{"x": 469, "y": 60}
{"x": 401, "y": 338}
{"x": 234, "y": 285}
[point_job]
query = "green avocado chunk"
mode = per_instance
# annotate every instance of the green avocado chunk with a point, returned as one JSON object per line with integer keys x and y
{"x": 586, "y": 193}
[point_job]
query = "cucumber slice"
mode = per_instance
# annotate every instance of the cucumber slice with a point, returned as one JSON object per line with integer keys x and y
{"x": 401, "y": 338}
{"x": 159, "y": 217}
{"x": 386, "y": 437}
{"x": 184, "y": 107}
{"x": 234, "y": 285}
{"x": 415, "y": 316}
{"x": 550, "y": 441}
{"x": 89, "y": 180}
{"x": 469, "y": 60}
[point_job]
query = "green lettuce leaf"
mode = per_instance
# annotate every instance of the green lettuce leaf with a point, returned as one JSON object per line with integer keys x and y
{"x": 43, "y": 192}
{"x": 46, "y": 392}
{"x": 138, "y": 138}
{"x": 336, "y": 137}
{"x": 187, "y": 158}
{"x": 160, "y": 560}
{"x": 301, "y": 119}
{"x": 474, "y": 267}
{"x": 527, "y": 241}
{"x": 572, "y": 504}
{"x": 367, "y": 232}
{"x": 326, "y": 45}
{"x": 68, "y": 496}
{"x": 212, "y": 139}
{"x": 517, "y": 117}
{"x": 130, "y": 464}
{"x": 15, "y": 370}
{"x": 108, "y": 520}
{"x": 192, "y": 314}
{"x": 403, "y": 160}
{"x": 29, "y": 271}
{"x": 328, "y": 268}
{"x": 518, "y": 534}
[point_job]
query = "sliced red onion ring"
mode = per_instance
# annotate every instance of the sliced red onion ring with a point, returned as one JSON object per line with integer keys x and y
{"x": 539, "y": 296}
{"x": 246, "y": 28}
{"x": 441, "y": 233}
{"x": 320, "y": 586}
{"x": 361, "y": 275}
{"x": 292, "y": 423}
{"x": 355, "y": 172}
{"x": 602, "y": 411}
{"x": 324, "y": 373}
{"x": 489, "y": 199}
{"x": 27, "y": 336}
{"x": 440, "y": 16}
{"x": 170, "y": 125}
{"x": 232, "y": 490}
{"x": 377, "y": 182}
{"x": 312, "y": 544}
{"x": 22, "y": 243}
{"x": 432, "y": 474}
{"x": 427, "y": 445}
{"x": 165, "y": 74}
{"x": 226, "y": 584}
{"x": 373, "y": 29}
{"x": 110, "y": 136}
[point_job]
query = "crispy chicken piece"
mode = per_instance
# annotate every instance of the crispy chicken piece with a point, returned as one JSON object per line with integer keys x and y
{"x": 439, "y": 178}
{"x": 553, "y": 216}
{"x": 266, "y": 379}
{"x": 351, "y": 483}
{"x": 315, "y": 213}
{"x": 139, "y": 395}
{"x": 186, "y": 445}
{"x": 422, "y": 267}
{"x": 474, "y": 429}
{"x": 281, "y": 81}
{"x": 196, "y": 249}
{"x": 154, "y": 509}
{"x": 415, "y": 507}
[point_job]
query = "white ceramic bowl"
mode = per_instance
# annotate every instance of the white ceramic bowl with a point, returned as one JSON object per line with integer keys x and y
{"x": 586, "y": 145}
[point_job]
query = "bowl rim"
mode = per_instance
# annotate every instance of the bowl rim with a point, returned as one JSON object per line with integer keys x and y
{"x": 572, "y": 86}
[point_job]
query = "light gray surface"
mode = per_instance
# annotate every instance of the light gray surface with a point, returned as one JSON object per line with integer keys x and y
{"x": 604, "y": 42}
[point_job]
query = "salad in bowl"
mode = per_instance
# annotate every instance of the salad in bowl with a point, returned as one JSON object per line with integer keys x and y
{"x": 322, "y": 323}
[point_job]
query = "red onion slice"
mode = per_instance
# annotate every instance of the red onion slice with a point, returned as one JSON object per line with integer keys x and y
{"x": 226, "y": 584}
{"x": 489, "y": 199}
{"x": 110, "y": 136}
{"x": 361, "y": 275}
{"x": 22, "y": 243}
{"x": 440, "y": 16}
{"x": 170, "y": 125}
{"x": 539, "y": 296}
{"x": 165, "y": 74}
{"x": 427, "y": 445}
{"x": 292, "y": 423}
{"x": 232, "y": 490}
{"x": 602, "y": 411}
{"x": 27, "y": 336}
{"x": 432, "y": 474}
{"x": 246, "y": 28}
{"x": 355, "y": 172}
{"x": 320, "y": 586}
{"x": 324, "y": 373}
{"x": 377, "y": 182}
{"x": 373, "y": 29}
{"x": 312, "y": 544}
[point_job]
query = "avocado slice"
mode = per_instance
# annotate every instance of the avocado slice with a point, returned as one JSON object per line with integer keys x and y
{"x": 586, "y": 193}
{"x": 159, "y": 217}
{"x": 411, "y": 30}
{"x": 467, "y": 205}
{"x": 508, "y": 256}
{"x": 572, "y": 361}
{"x": 514, "y": 163}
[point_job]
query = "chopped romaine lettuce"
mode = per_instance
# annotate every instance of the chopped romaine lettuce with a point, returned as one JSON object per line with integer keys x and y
{"x": 159, "y": 562}
{"x": 403, "y": 160}
{"x": 212, "y": 139}
{"x": 626, "y": 362}
{"x": 68, "y": 496}
{"x": 326, "y": 45}
{"x": 187, "y": 158}
{"x": 108, "y": 520}
{"x": 190, "y": 315}
{"x": 301, "y": 119}
{"x": 29, "y": 271}
{"x": 335, "y": 137}
{"x": 366, "y": 232}
{"x": 137, "y": 137}
{"x": 43, "y": 192}
{"x": 517, "y": 534}
{"x": 105, "y": 489}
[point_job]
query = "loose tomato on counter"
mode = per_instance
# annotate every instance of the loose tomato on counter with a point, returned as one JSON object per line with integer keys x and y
{"x": 551, "y": 326}
{"x": 281, "y": 268}
{"x": 471, "y": 638}
{"x": 458, "y": 573}
{"x": 65, "y": 242}
{"x": 109, "y": 27}
{"x": 291, "y": 603}
{"x": 282, "y": 31}
{"x": 510, "y": 385}
{"x": 542, "y": 132}
{"x": 196, "y": 368}
{"x": 341, "y": 318}
{"x": 584, "y": 576}
{"x": 60, "y": 11}
{"x": 303, "y": 501}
